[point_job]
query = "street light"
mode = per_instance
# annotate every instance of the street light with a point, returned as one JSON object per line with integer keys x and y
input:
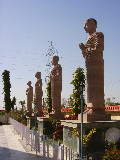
{"x": 35, "y": 125}
{"x": 81, "y": 98}
{"x": 22, "y": 111}
{"x": 35, "y": 112}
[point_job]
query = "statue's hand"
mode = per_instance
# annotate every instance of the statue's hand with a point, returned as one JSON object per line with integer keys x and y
{"x": 82, "y": 47}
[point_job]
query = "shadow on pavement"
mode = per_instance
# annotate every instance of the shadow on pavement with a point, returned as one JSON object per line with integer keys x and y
{"x": 10, "y": 154}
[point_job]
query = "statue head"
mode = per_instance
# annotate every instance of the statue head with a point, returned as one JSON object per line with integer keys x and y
{"x": 55, "y": 60}
{"x": 38, "y": 75}
{"x": 90, "y": 25}
{"x": 29, "y": 83}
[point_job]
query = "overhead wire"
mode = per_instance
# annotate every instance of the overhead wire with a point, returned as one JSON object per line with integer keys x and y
{"x": 109, "y": 81}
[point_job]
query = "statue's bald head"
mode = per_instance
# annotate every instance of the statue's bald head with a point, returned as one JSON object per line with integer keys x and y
{"x": 38, "y": 75}
{"x": 55, "y": 60}
{"x": 90, "y": 25}
{"x": 29, "y": 83}
{"x": 92, "y": 21}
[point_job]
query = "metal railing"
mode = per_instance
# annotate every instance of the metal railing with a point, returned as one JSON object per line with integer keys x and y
{"x": 43, "y": 146}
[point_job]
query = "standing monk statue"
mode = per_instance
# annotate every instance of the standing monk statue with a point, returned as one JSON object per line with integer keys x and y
{"x": 92, "y": 52}
{"x": 56, "y": 84}
{"x": 39, "y": 93}
{"x": 29, "y": 93}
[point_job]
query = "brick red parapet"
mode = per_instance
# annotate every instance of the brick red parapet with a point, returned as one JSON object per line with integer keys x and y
{"x": 2, "y": 110}
{"x": 112, "y": 108}
{"x": 109, "y": 108}
{"x": 66, "y": 110}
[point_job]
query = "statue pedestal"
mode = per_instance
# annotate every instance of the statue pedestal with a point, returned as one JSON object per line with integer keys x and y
{"x": 28, "y": 113}
{"x": 44, "y": 125}
{"x": 31, "y": 122}
{"x": 89, "y": 116}
{"x": 95, "y": 148}
{"x": 39, "y": 113}
{"x": 98, "y": 117}
{"x": 57, "y": 115}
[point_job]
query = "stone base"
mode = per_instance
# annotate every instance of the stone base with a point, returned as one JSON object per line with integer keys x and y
{"x": 28, "y": 113}
{"x": 39, "y": 113}
{"x": 98, "y": 138}
{"x": 89, "y": 116}
{"x": 41, "y": 124}
{"x": 45, "y": 127}
{"x": 31, "y": 122}
{"x": 98, "y": 117}
{"x": 56, "y": 115}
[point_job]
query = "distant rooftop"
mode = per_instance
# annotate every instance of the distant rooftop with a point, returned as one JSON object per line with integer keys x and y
{"x": 112, "y": 108}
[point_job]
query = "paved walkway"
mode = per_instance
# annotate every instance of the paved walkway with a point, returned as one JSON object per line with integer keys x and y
{"x": 12, "y": 147}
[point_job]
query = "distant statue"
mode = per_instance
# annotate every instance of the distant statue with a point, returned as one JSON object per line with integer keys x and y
{"x": 39, "y": 93}
{"x": 29, "y": 93}
{"x": 56, "y": 84}
{"x": 92, "y": 51}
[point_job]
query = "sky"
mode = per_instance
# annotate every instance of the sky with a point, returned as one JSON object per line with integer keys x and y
{"x": 27, "y": 28}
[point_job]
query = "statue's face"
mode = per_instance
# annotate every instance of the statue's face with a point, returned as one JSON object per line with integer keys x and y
{"x": 38, "y": 75}
{"x": 54, "y": 61}
{"x": 89, "y": 26}
{"x": 29, "y": 83}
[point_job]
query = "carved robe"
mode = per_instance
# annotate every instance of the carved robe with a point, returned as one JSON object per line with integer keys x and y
{"x": 95, "y": 70}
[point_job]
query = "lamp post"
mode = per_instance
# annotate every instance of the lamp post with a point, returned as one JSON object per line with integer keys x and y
{"x": 35, "y": 112}
{"x": 22, "y": 111}
{"x": 35, "y": 125}
{"x": 81, "y": 98}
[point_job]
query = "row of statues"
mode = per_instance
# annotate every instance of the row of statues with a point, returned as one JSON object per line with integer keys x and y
{"x": 56, "y": 88}
{"x": 92, "y": 52}
{"x": 38, "y": 95}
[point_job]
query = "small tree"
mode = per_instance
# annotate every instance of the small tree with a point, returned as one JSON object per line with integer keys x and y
{"x": 78, "y": 79}
{"x": 70, "y": 101}
{"x": 13, "y": 102}
{"x": 22, "y": 103}
{"x": 64, "y": 103}
{"x": 6, "y": 90}
{"x": 34, "y": 102}
{"x": 109, "y": 102}
{"x": 23, "y": 107}
{"x": 48, "y": 100}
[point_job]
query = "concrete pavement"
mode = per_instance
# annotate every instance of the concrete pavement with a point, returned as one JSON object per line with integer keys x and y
{"x": 12, "y": 147}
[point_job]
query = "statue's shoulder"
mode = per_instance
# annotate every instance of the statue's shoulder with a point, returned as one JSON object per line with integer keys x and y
{"x": 58, "y": 66}
{"x": 98, "y": 34}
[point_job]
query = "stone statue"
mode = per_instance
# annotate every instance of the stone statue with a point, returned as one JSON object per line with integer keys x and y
{"x": 56, "y": 84}
{"x": 39, "y": 93}
{"x": 92, "y": 51}
{"x": 29, "y": 93}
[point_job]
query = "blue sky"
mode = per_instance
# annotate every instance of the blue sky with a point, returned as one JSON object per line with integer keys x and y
{"x": 28, "y": 26}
